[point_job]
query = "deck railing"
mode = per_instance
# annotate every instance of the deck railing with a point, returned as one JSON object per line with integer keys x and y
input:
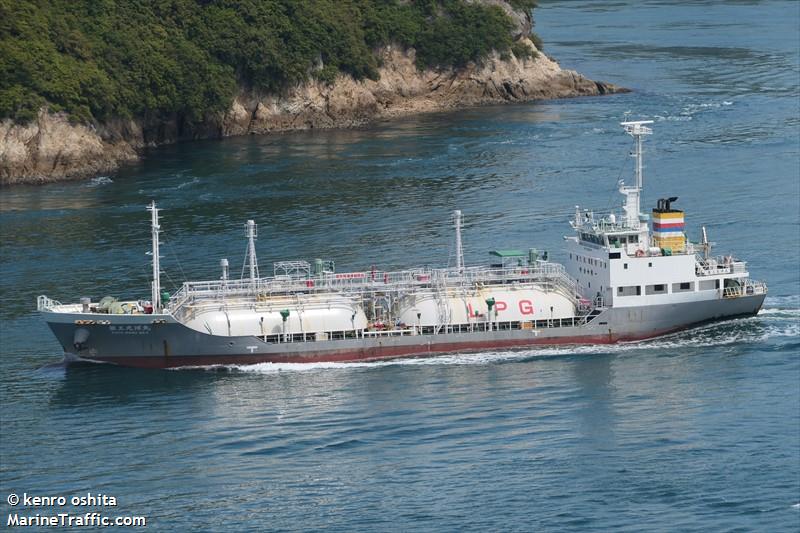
{"x": 748, "y": 288}
{"x": 551, "y": 275}
{"x": 720, "y": 265}
{"x": 43, "y": 303}
{"x": 473, "y": 327}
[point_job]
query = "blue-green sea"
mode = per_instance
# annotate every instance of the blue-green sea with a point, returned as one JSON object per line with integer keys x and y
{"x": 697, "y": 431}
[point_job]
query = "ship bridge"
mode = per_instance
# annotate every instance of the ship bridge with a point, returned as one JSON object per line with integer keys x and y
{"x": 617, "y": 257}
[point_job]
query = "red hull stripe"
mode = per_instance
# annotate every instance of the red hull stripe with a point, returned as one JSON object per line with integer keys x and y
{"x": 366, "y": 354}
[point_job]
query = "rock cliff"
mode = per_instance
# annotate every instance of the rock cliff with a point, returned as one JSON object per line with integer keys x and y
{"x": 52, "y": 148}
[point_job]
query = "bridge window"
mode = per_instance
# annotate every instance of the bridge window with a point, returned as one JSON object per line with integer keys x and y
{"x": 592, "y": 238}
{"x": 709, "y": 284}
{"x": 655, "y": 289}
{"x": 630, "y": 290}
{"x": 687, "y": 286}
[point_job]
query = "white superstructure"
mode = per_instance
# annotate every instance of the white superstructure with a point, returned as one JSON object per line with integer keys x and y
{"x": 614, "y": 258}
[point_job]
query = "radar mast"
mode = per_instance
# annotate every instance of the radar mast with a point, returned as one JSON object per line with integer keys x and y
{"x": 457, "y": 219}
{"x": 156, "y": 285}
{"x": 251, "y": 232}
{"x": 637, "y": 130}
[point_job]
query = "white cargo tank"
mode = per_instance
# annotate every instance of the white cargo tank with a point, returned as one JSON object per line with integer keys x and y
{"x": 514, "y": 304}
{"x": 307, "y": 314}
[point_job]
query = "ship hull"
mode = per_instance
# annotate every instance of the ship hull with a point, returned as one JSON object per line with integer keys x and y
{"x": 142, "y": 341}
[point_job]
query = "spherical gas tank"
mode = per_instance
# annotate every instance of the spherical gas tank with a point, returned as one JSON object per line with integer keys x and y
{"x": 308, "y": 315}
{"x": 510, "y": 305}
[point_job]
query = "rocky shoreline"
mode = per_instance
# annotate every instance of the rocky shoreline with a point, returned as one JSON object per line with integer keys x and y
{"x": 51, "y": 148}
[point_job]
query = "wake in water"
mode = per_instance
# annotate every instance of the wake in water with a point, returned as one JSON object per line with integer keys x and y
{"x": 167, "y": 186}
{"x": 188, "y": 183}
{"x": 99, "y": 181}
{"x": 690, "y": 110}
{"x": 770, "y": 324}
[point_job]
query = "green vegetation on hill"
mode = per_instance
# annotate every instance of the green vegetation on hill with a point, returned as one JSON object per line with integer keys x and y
{"x": 100, "y": 59}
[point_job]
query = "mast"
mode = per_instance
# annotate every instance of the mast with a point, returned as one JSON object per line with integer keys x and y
{"x": 706, "y": 245}
{"x": 223, "y": 263}
{"x": 251, "y": 231}
{"x": 459, "y": 248}
{"x": 156, "y": 285}
{"x": 637, "y": 130}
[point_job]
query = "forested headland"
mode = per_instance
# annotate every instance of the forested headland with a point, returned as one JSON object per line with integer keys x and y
{"x": 101, "y": 59}
{"x": 85, "y": 85}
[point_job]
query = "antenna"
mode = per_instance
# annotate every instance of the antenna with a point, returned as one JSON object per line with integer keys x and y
{"x": 637, "y": 130}
{"x": 459, "y": 248}
{"x": 156, "y": 285}
{"x": 251, "y": 232}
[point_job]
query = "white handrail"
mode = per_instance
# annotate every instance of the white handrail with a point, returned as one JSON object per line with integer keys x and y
{"x": 748, "y": 288}
{"x": 43, "y": 303}
{"x": 355, "y": 283}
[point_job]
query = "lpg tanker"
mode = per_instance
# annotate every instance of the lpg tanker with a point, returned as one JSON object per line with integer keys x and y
{"x": 624, "y": 280}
